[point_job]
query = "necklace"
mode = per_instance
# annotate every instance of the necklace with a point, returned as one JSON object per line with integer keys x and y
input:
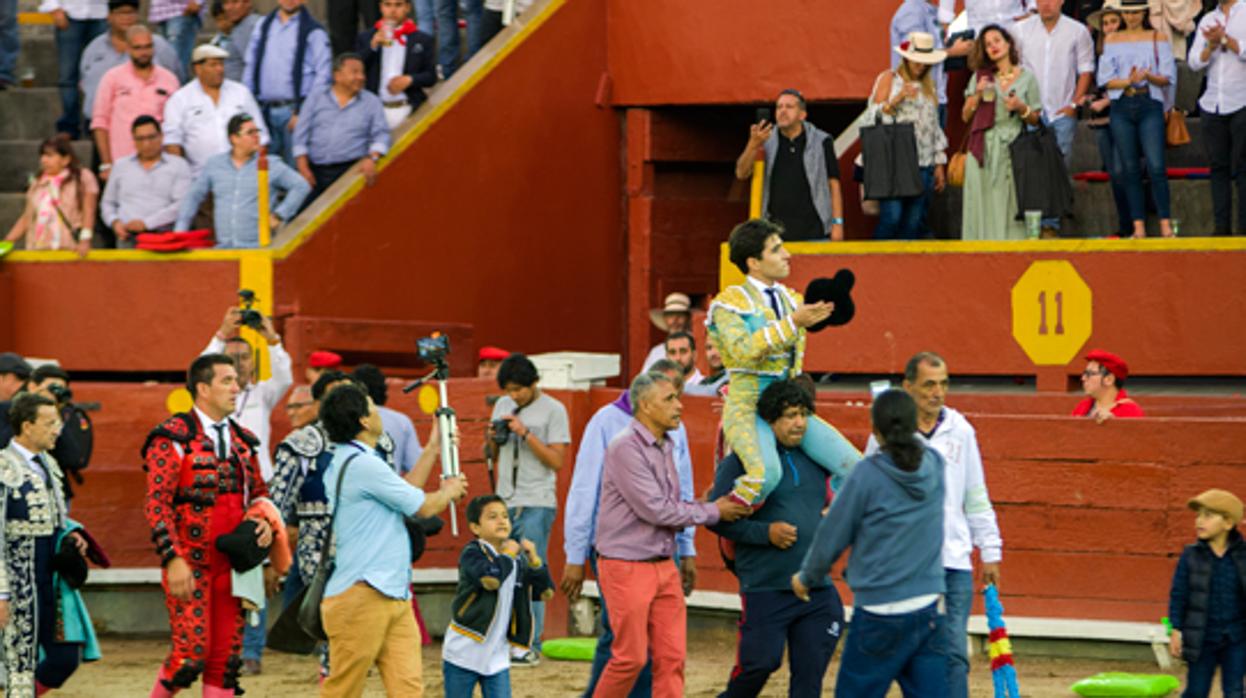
{"x": 1008, "y": 76}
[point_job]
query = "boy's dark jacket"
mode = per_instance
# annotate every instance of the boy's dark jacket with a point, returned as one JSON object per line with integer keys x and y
{"x": 475, "y": 607}
{"x": 1191, "y": 597}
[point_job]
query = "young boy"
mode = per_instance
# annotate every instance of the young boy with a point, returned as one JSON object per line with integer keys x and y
{"x": 493, "y": 604}
{"x": 1207, "y": 605}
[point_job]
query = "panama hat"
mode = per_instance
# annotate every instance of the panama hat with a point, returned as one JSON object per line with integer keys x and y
{"x": 919, "y": 47}
{"x": 1095, "y": 19}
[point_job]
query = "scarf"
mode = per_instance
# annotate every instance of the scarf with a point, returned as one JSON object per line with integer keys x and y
{"x": 50, "y": 227}
{"x": 983, "y": 121}
{"x": 407, "y": 27}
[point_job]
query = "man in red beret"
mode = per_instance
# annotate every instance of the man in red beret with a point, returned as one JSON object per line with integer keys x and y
{"x": 1104, "y": 384}
{"x": 319, "y": 362}
{"x": 489, "y": 360}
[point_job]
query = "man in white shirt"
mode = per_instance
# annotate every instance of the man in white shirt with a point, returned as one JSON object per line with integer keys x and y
{"x": 968, "y": 518}
{"x": 1060, "y": 54}
{"x": 681, "y": 347}
{"x": 256, "y": 401}
{"x": 196, "y": 117}
{"x": 1220, "y": 47}
{"x": 675, "y": 315}
{"x": 980, "y": 13}
{"x": 398, "y": 61}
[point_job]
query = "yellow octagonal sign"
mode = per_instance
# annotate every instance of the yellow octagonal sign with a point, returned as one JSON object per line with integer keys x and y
{"x": 1051, "y": 312}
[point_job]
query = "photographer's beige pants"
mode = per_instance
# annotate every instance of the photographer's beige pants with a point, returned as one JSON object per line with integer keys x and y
{"x": 365, "y": 627}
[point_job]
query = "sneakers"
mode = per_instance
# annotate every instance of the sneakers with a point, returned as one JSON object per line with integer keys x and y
{"x": 527, "y": 659}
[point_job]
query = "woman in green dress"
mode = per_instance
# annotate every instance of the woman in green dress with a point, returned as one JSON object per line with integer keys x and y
{"x": 1001, "y": 97}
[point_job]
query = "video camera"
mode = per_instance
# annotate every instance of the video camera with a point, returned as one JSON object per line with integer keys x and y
{"x": 250, "y": 317}
{"x": 434, "y": 349}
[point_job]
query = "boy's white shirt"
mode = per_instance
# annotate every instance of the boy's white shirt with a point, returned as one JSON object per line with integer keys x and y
{"x": 968, "y": 518}
{"x": 493, "y": 654}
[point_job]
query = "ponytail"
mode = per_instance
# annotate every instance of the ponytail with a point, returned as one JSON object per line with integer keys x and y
{"x": 895, "y": 419}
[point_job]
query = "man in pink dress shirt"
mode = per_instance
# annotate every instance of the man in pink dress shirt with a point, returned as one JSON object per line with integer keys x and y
{"x": 640, "y": 512}
{"x": 127, "y": 92}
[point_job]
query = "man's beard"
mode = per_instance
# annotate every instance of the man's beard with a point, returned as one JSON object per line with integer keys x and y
{"x": 142, "y": 64}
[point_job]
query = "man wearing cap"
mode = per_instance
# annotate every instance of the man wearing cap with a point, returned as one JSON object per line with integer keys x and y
{"x": 127, "y": 92}
{"x": 14, "y": 371}
{"x": 1104, "y": 384}
{"x": 675, "y": 315}
{"x": 109, "y": 50}
{"x": 1207, "y": 603}
{"x": 196, "y": 118}
{"x": 320, "y": 361}
{"x": 145, "y": 189}
{"x": 77, "y": 22}
{"x": 488, "y": 360}
{"x": 802, "y": 172}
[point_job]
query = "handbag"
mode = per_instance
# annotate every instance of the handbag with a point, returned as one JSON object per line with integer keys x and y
{"x": 1038, "y": 171}
{"x": 956, "y": 163}
{"x": 309, "y": 606}
{"x": 1175, "y": 131}
{"x": 890, "y": 155}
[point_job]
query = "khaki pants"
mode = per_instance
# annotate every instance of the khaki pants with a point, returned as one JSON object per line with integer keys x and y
{"x": 366, "y": 627}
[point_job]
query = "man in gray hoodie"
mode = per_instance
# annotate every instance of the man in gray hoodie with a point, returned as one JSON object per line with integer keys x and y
{"x": 890, "y": 512}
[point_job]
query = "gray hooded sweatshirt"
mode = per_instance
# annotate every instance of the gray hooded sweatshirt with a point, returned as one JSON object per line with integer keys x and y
{"x": 893, "y": 520}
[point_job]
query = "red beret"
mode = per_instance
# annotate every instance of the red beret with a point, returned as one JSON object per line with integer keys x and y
{"x": 324, "y": 359}
{"x": 493, "y": 354}
{"x": 1114, "y": 364}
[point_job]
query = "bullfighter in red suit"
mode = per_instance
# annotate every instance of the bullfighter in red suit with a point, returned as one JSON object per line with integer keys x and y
{"x": 202, "y": 480}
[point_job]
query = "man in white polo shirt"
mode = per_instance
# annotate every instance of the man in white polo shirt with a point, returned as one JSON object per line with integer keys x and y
{"x": 196, "y": 117}
{"x": 1058, "y": 51}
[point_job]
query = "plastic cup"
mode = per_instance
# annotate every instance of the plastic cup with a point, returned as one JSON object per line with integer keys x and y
{"x": 989, "y": 95}
{"x": 1176, "y": 226}
{"x": 1033, "y": 224}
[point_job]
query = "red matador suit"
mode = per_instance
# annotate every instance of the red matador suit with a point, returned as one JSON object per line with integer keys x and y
{"x": 192, "y": 498}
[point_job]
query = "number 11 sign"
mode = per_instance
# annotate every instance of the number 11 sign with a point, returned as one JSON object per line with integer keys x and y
{"x": 1052, "y": 309}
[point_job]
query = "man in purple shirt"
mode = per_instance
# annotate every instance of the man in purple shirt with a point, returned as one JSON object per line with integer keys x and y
{"x": 639, "y": 513}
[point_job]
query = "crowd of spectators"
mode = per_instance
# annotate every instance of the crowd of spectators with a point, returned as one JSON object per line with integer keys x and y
{"x": 156, "y": 106}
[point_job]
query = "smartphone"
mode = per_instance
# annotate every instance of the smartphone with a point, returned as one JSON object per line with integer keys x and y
{"x": 763, "y": 114}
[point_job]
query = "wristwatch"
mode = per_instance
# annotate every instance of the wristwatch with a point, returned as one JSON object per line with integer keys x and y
{"x": 84, "y": 235}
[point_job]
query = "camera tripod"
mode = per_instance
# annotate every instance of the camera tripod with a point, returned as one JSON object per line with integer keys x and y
{"x": 447, "y": 426}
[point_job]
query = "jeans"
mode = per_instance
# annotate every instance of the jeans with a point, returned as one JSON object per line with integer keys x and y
{"x": 643, "y": 688}
{"x": 535, "y": 524}
{"x": 448, "y": 49}
{"x": 1224, "y": 136}
{"x": 1138, "y": 131}
{"x": 772, "y": 620}
{"x": 280, "y": 137}
{"x": 908, "y": 648}
{"x": 905, "y": 219}
{"x": 254, "y": 637}
{"x": 9, "y": 44}
{"x": 1231, "y": 658}
{"x": 1116, "y": 175}
{"x": 959, "y": 600}
{"x": 70, "y": 42}
{"x": 182, "y": 32}
{"x": 425, "y": 17}
{"x": 461, "y": 683}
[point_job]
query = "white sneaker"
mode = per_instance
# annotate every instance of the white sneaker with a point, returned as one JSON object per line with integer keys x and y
{"x": 527, "y": 659}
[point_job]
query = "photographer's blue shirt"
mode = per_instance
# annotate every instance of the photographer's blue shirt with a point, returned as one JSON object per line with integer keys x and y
{"x": 371, "y": 539}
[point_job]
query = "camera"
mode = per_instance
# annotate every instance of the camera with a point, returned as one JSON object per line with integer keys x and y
{"x": 433, "y": 349}
{"x": 250, "y": 317}
{"x": 501, "y": 431}
{"x": 61, "y": 393}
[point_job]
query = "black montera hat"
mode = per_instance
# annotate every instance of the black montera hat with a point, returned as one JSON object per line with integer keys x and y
{"x": 837, "y": 290}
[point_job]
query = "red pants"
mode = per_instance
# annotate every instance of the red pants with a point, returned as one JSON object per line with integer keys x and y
{"x": 649, "y": 618}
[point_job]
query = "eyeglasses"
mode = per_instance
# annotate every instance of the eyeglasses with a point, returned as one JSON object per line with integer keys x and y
{"x": 291, "y": 406}
{"x": 1090, "y": 374}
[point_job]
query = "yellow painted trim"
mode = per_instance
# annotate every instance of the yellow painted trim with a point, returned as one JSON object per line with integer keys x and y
{"x": 728, "y": 275}
{"x": 409, "y": 137}
{"x": 255, "y": 272}
{"x": 34, "y": 18}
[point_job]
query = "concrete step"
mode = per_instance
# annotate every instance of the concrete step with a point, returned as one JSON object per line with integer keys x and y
{"x": 1094, "y": 210}
{"x": 28, "y": 113}
{"x": 11, "y": 206}
{"x": 38, "y": 56}
{"x": 1086, "y": 149}
{"x": 22, "y": 161}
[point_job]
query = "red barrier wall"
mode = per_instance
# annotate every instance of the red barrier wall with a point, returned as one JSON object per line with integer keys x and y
{"x": 1092, "y": 516}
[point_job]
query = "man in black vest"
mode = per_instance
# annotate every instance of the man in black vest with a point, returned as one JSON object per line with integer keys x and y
{"x": 398, "y": 61}
{"x": 287, "y": 57}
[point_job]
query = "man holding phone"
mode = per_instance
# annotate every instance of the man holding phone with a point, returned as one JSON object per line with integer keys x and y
{"x": 801, "y": 188}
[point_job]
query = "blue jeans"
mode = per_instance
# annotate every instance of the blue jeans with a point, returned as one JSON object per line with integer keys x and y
{"x": 9, "y": 44}
{"x": 70, "y": 42}
{"x": 535, "y": 524}
{"x": 908, "y": 648}
{"x": 255, "y": 636}
{"x": 1231, "y": 658}
{"x": 448, "y": 48}
{"x": 181, "y": 32}
{"x": 643, "y": 688}
{"x": 280, "y": 138}
{"x": 425, "y": 18}
{"x": 959, "y": 600}
{"x": 1138, "y": 131}
{"x": 905, "y": 219}
{"x": 1116, "y": 175}
{"x": 460, "y": 682}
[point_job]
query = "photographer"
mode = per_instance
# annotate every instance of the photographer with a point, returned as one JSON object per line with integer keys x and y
{"x": 73, "y": 448}
{"x": 256, "y": 401}
{"x": 528, "y": 435}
